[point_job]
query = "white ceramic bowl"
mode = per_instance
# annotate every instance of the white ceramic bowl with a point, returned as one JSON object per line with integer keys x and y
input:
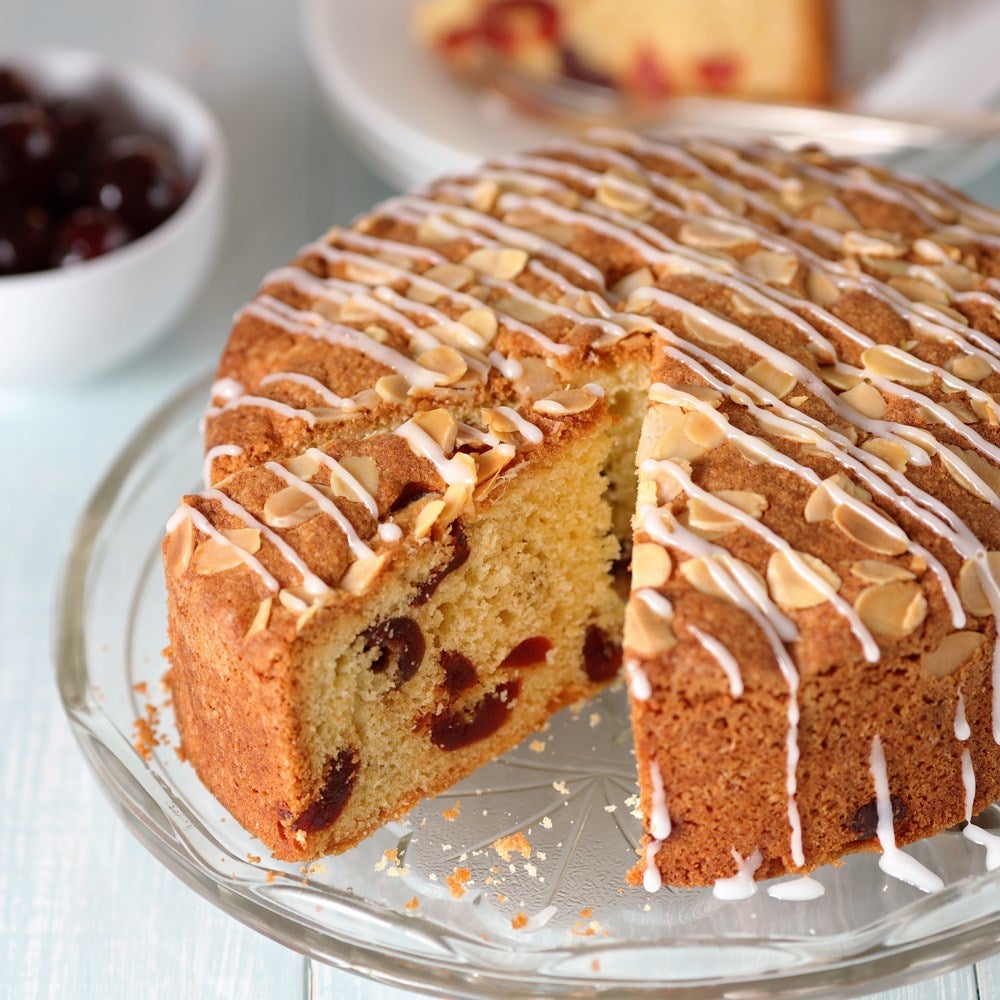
{"x": 67, "y": 324}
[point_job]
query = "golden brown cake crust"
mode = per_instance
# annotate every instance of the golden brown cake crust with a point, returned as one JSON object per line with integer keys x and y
{"x": 799, "y": 352}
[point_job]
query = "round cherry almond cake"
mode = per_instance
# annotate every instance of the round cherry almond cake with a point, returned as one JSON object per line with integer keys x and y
{"x": 763, "y": 381}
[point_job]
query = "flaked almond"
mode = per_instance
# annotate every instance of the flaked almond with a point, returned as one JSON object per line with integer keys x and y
{"x": 482, "y": 321}
{"x": 424, "y": 292}
{"x": 969, "y": 367}
{"x": 392, "y": 388}
{"x": 822, "y": 500}
{"x": 703, "y": 515}
{"x": 357, "y": 311}
{"x": 622, "y": 195}
{"x": 214, "y": 555}
{"x": 822, "y": 289}
{"x": 368, "y": 272}
{"x": 565, "y": 402}
{"x": 960, "y": 462}
{"x": 651, "y": 565}
{"x": 261, "y": 619}
{"x": 497, "y": 422}
{"x": 987, "y": 410}
{"x": 872, "y": 529}
{"x": 933, "y": 253}
{"x": 709, "y": 332}
{"x": 703, "y": 430}
{"x": 771, "y": 378}
{"x": 866, "y": 399}
{"x": 876, "y": 571}
{"x": 490, "y": 463}
{"x": 918, "y": 290}
{"x": 446, "y": 361}
{"x": 676, "y": 395}
{"x": 791, "y": 579}
{"x": 536, "y": 379}
{"x": 502, "y": 263}
{"x": 970, "y": 586}
{"x": 303, "y": 466}
{"x": 363, "y": 468}
{"x": 859, "y": 243}
{"x": 771, "y": 266}
{"x": 642, "y": 278}
{"x": 715, "y": 234}
{"x": 327, "y": 308}
{"x": 453, "y": 276}
{"x": 427, "y": 518}
{"x": 483, "y": 195}
{"x": 833, "y": 217}
{"x": 440, "y": 425}
{"x": 457, "y": 500}
{"x": 295, "y": 599}
{"x": 959, "y": 277}
{"x": 588, "y": 304}
{"x": 180, "y": 547}
{"x": 289, "y": 507}
{"x": 955, "y": 649}
{"x": 895, "y": 364}
{"x": 647, "y": 634}
{"x": 891, "y": 452}
{"x": 838, "y": 378}
{"x": 528, "y": 310}
{"x": 435, "y": 229}
{"x": 360, "y": 574}
{"x": 893, "y": 610}
{"x": 960, "y": 411}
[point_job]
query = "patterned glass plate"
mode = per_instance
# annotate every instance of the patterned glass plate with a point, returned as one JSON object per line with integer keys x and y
{"x": 512, "y": 883}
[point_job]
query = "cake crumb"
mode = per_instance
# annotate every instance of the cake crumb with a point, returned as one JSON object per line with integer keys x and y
{"x": 538, "y": 746}
{"x": 546, "y": 823}
{"x": 389, "y": 863}
{"x": 452, "y": 814}
{"x": 595, "y": 965}
{"x": 560, "y": 787}
{"x": 412, "y": 904}
{"x": 587, "y": 912}
{"x": 254, "y": 859}
{"x": 270, "y": 876}
{"x": 595, "y": 719}
{"x": 506, "y": 846}
{"x": 457, "y": 882}
{"x": 140, "y": 687}
{"x": 610, "y": 808}
{"x": 519, "y": 920}
{"x": 145, "y": 732}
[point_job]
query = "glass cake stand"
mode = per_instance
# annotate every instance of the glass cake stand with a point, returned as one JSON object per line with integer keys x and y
{"x": 544, "y": 912}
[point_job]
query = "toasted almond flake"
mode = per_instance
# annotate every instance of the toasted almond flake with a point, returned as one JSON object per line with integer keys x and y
{"x": 565, "y": 402}
{"x": 969, "y": 367}
{"x": 918, "y": 290}
{"x": 490, "y": 463}
{"x": 891, "y": 452}
{"x": 866, "y": 399}
{"x": 453, "y": 276}
{"x": 838, "y": 379}
{"x": 497, "y": 422}
{"x": 327, "y": 308}
{"x": 360, "y": 574}
{"x": 247, "y": 539}
{"x": 426, "y": 294}
{"x": 715, "y": 234}
{"x": 773, "y": 379}
{"x": 970, "y": 588}
{"x": 959, "y": 461}
{"x": 502, "y": 263}
{"x": 368, "y": 272}
{"x": 527, "y": 310}
{"x": 261, "y": 619}
{"x": 858, "y": 243}
{"x": 642, "y": 278}
{"x": 295, "y": 599}
{"x": 392, "y": 388}
{"x": 675, "y": 395}
{"x": 822, "y": 289}
{"x": 651, "y": 565}
{"x": 357, "y": 311}
{"x": 614, "y": 195}
{"x": 646, "y": 634}
{"x": 874, "y": 530}
{"x": 214, "y": 556}
{"x": 790, "y": 587}
{"x": 674, "y": 443}
{"x": 289, "y": 507}
{"x": 894, "y": 363}
{"x": 955, "y": 649}
{"x": 441, "y": 425}
{"x": 771, "y": 266}
{"x": 959, "y": 277}
{"x": 457, "y": 500}
{"x": 427, "y": 518}
{"x": 876, "y": 571}
{"x": 484, "y": 194}
{"x": 446, "y": 361}
{"x": 986, "y": 410}
{"x": 960, "y": 411}
{"x": 821, "y": 502}
{"x": 931, "y": 252}
{"x": 703, "y": 430}
{"x": 364, "y": 469}
{"x": 536, "y": 379}
{"x": 303, "y": 466}
{"x": 434, "y": 229}
{"x": 705, "y": 516}
{"x": 833, "y": 218}
{"x": 180, "y": 547}
{"x": 893, "y": 610}
{"x": 482, "y": 321}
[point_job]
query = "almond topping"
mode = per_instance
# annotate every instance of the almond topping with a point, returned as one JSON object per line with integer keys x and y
{"x": 705, "y": 516}
{"x": 674, "y": 395}
{"x": 642, "y": 278}
{"x": 446, "y": 361}
{"x": 427, "y": 518}
{"x": 892, "y": 610}
{"x": 969, "y": 367}
{"x": 866, "y": 399}
{"x": 536, "y": 378}
{"x": 289, "y": 507}
{"x": 261, "y": 619}
{"x": 368, "y": 272}
{"x": 565, "y": 402}
{"x": 392, "y": 388}
{"x": 434, "y": 229}
{"x": 987, "y": 411}
{"x": 295, "y": 599}
{"x": 833, "y": 218}
{"x": 771, "y": 267}
{"x": 918, "y": 290}
{"x": 970, "y": 587}
{"x": 647, "y": 634}
{"x": 854, "y": 242}
{"x": 954, "y": 650}
{"x": 613, "y": 194}
{"x": 651, "y": 565}
{"x": 502, "y": 263}
{"x": 896, "y": 364}
{"x": 876, "y": 571}
{"x": 497, "y": 422}
{"x": 440, "y": 425}
{"x": 706, "y": 332}
{"x": 180, "y": 546}
{"x": 822, "y": 289}
{"x": 490, "y": 463}
{"x": 360, "y": 574}
{"x": 482, "y": 321}
{"x": 790, "y": 586}
{"x": 821, "y": 502}
{"x": 773, "y": 379}
{"x": 453, "y": 276}
{"x": 715, "y": 234}
{"x": 891, "y": 452}
{"x": 530, "y": 311}
{"x": 703, "y": 430}
{"x": 839, "y": 379}
{"x": 483, "y": 195}
{"x": 363, "y": 469}
{"x": 960, "y": 461}
{"x": 871, "y": 529}
{"x": 303, "y": 466}
{"x": 215, "y": 556}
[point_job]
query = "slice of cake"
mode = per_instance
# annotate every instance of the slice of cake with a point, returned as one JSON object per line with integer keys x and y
{"x": 766, "y": 378}
{"x": 645, "y": 50}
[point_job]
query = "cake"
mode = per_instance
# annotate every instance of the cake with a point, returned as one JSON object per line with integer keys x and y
{"x": 762, "y": 381}
{"x": 644, "y": 50}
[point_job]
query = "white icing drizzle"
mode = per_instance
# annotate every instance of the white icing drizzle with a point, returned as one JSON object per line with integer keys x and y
{"x": 894, "y": 862}
{"x": 962, "y": 730}
{"x": 797, "y": 890}
{"x": 659, "y": 817}
{"x": 969, "y": 784}
{"x": 390, "y": 532}
{"x": 358, "y": 492}
{"x": 220, "y": 450}
{"x": 329, "y": 397}
{"x": 312, "y": 583}
{"x": 742, "y": 884}
{"x": 652, "y": 880}
{"x": 451, "y": 470}
{"x": 205, "y": 526}
{"x": 358, "y": 548}
{"x": 529, "y": 431}
{"x": 263, "y": 403}
{"x": 638, "y": 683}
{"x": 655, "y": 601}
{"x": 725, "y": 659}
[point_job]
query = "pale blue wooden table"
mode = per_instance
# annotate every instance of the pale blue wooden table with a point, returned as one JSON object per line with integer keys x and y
{"x": 85, "y": 912}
